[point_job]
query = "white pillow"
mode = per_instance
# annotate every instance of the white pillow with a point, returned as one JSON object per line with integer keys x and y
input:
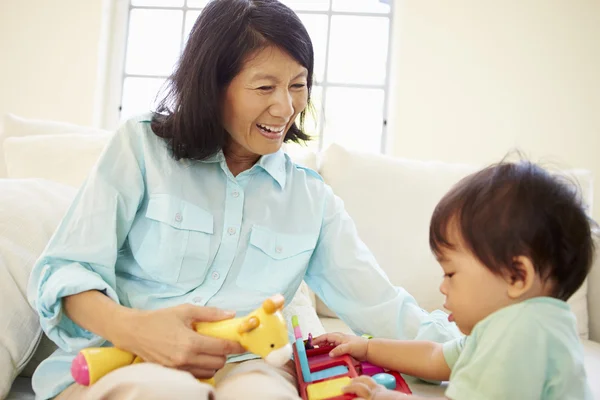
{"x": 303, "y": 307}
{"x": 302, "y": 156}
{"x": 18, "y": 127}
{"x": 391, "y": 201}
{"x": 64, "y": 158}
{"x": 30, "y": 211}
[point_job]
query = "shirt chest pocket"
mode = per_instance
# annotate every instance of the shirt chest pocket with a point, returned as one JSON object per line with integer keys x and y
{"x": 275, "y": 260}
{"x": 176, "y": 244}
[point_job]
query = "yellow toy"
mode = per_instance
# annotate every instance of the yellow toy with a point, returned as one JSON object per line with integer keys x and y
{"x": 262, "y": 332}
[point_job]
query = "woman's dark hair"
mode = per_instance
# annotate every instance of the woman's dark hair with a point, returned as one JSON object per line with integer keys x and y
{"x": 225, "y": 33}
{"x": 519, "y": 209}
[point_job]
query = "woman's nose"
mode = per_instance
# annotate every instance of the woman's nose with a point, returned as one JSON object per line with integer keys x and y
{"x": 283, "y": 106}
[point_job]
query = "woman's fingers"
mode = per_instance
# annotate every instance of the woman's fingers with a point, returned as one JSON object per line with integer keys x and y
{"x": 205, "y": 314}
{"x": 167, "y": 337}
{"x": 204, "y": 366}
{"x": 200, "y": 373}
{"x": 215, "y": 346}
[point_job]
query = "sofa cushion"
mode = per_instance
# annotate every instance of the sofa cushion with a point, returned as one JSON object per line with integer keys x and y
{"x": 391, "y": 201}
{"x": 30, "y": 211}
{"x": 14, "y": 126}
{"x": 592, "y": 365}
{"x": 65, "y": 158}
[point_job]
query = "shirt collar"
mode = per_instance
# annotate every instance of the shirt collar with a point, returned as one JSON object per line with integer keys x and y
{"x": 273, "y": 164}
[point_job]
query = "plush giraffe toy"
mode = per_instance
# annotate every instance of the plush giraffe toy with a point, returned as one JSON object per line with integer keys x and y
{"x": 262, "y": 332}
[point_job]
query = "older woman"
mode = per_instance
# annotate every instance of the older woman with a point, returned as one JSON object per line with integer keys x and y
{"x": 195, "y": 209}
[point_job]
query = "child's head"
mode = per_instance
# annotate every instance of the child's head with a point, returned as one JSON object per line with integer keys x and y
{"x": 508, "y": 233}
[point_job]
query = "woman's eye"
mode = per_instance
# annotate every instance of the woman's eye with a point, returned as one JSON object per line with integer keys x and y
{"x": 449, "y": 275}
{"x": 299, "y": 85}
{"x": 265, "y": 88}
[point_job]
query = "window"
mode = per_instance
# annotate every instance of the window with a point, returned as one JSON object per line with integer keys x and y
{"x": 350, "y": 38}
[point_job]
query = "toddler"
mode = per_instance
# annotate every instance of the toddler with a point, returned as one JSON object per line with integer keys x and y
{"x": 514, "y": 243}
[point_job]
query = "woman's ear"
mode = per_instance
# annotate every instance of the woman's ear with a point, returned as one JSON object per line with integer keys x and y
{"x": 520, "y": 277}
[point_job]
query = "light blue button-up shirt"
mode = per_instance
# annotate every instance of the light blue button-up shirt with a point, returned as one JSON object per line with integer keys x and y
{"x": 152, "y": 232}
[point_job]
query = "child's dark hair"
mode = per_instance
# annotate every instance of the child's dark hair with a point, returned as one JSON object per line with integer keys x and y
{"x": 519, "y": 209}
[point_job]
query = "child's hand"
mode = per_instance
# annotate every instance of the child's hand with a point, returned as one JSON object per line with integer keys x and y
{"x": 366, "y": 388}
{"x": 346, "y": 344}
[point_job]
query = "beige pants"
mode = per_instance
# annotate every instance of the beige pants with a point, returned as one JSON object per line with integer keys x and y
{"x": 253, "y": 379}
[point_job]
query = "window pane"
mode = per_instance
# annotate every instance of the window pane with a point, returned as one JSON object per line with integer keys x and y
{"x": 140, "y": 96}
{"x": 358, "y": 49}
{"x": 354, "y": 118}
{"x": 197, "y": 3}
{"x": 307, "y": 5}
{"x": 316, "y": 25}
{"x": 157, "y": 3}
{"x": 154, "y": 41}
{"x": 369, "y": 6}
{"x": 190, "y": 19}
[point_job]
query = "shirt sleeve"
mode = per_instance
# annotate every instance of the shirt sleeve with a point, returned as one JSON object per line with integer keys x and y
{"x": 81, "y": 254}
{"x": 509, "y": 362}
{"x": 346, "y": 276}
{"x": 452, "y": 350}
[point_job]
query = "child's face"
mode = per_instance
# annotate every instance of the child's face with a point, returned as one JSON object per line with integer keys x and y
{"x": 472, "y": 291}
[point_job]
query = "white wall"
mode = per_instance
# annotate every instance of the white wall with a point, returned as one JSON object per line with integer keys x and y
{"x": 471, "y": 78}
{"x": 49, "y": 53}
{"x": 474, "y": 78}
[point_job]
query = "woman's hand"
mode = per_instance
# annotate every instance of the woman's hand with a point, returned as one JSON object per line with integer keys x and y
{"x": 367, "y": 389}
{"x": 167, "y": 337}
{"x": 354, "y": 346}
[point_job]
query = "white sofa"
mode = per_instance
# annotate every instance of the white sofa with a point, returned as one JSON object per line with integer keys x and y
{"x": 391, "y": 201}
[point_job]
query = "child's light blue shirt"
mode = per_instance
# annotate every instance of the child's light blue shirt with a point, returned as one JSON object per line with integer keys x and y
{"x": 152, "y": 232}
{"x": 529, "y": 350}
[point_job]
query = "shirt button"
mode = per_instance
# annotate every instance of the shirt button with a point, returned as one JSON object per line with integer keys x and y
{"x": 215, "y": 275}
{"x": 178, "y": 217}
{"x": 197, "y": 299}
{"x": 278, "y": 249}
{"x": 235, "y": 194}
{"x": 231, "y": 231}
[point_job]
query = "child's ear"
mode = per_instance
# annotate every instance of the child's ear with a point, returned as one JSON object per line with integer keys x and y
{"x": 521, "y": 277}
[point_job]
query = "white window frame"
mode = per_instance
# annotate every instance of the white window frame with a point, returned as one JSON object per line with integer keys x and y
{"x": 118, "y": 49}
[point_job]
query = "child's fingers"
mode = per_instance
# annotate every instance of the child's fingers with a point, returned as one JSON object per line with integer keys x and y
{"x": 320, "y": 339}
{"x": 335, "y": 338}
{"x": 367, "y": 381}
{"x": 340, "y": 350}
{"x": 358, "y": 388}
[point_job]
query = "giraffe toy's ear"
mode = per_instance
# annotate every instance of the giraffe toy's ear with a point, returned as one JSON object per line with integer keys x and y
{"x": 248, "y": 325}
{"x": 273, "y": 304}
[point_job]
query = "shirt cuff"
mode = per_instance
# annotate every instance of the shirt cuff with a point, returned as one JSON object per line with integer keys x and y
{"x": 65, "y": 281}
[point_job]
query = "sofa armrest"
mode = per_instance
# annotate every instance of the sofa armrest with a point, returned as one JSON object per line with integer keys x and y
{"x": 593, "y": 296}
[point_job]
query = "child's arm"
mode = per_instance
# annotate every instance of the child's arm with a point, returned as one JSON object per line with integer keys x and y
{"x": 366, "y": 388}
{"x": 422, "y": 359}
{"x": 417, "y": 358}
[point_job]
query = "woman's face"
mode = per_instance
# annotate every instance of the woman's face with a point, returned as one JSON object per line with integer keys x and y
{"x": 263, "y": 100}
